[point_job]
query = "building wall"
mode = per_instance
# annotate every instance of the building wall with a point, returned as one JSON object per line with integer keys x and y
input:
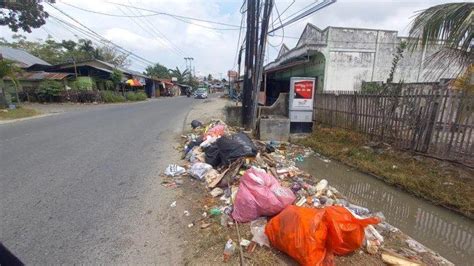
{"x": 356, "y": 55}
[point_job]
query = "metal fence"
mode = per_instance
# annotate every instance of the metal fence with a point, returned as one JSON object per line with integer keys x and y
{"x": 437, "y": 122}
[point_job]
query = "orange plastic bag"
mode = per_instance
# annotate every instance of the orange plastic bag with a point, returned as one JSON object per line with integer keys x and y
{"x": 311, "y": 236}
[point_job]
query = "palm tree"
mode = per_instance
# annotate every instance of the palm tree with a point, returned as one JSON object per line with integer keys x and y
{"x": 451, "y": 23}
{"x": 8, "y": 69}
{"x": 181, "y": 76}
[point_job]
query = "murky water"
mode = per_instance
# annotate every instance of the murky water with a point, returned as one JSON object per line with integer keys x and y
{"x": 448, "y": 233}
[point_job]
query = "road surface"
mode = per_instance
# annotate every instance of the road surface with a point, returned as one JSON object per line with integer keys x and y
{"x": 84, "y": 186}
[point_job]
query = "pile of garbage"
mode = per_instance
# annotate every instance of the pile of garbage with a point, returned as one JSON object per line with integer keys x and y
{"x": 258, "y": 183}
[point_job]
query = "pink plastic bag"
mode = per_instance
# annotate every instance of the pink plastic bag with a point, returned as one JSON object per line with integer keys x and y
{"x": 260, "y": 194}
{"x": 216, "y": 131}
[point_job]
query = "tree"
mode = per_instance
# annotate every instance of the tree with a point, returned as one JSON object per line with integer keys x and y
{"x": 22, "y": 15}
{"x": 181, "y": 76}
{"x": 158, "y": 71}
{"x": 111, "y": 55}
{"x": 396, "y": 58}
{"x": 116, "y": 78}
{"x": 68, "y": 50}
{"x": 451, "y": 23}
{"x": 209, "y": 77}
{"x": 8, "y": 69}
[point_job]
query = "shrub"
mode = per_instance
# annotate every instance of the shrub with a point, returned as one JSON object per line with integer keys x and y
{"x": 139, "y": 96}
{"x": 131, "y": 96}
{"x": 111, "y": 97}
{"x": 49, "y": 91}
{"x": 83, "y": 84}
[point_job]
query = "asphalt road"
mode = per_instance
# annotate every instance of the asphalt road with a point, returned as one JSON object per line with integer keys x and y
{"x": 83, "y": 186}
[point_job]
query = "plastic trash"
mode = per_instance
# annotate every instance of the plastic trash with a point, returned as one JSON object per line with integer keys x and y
{"x": 321, "y": 185}
{"x": 244, "y": 242}
{"x": 216, "y": 131}
{"x": 174, "y": 170}
{"x": 234, "y": 147}
{"x": 212, "y": 155}
{"x": 358, "y": 209}
{"x": 257, "y": 228}
{"x": 215, "y": 211}
{"x": 198, "y": 170}
{"x": 216, "y": 192}
{"x": 416, "y": 246}
{"x": 208, "y": 142}
{"x": 173, "y": 204}
{"x": 260, "y": 194}
{"x": 196, "y": 124}
{"x": 229, "y": 250}
{"x": 312, "y": 236}
{"x": 225, "y": 220}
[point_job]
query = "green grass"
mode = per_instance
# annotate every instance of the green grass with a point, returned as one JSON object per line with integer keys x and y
{"x": 139, "y": 96}
{"x": 6, "y": 114}
{"x": 443, "y": 183}
{"x": 111, "y": 97}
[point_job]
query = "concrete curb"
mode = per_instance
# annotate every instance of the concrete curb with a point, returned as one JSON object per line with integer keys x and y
{"x": 2, "y": 122}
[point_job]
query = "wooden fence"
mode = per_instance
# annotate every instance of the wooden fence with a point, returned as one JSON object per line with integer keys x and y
{"x": 437, "y": 122}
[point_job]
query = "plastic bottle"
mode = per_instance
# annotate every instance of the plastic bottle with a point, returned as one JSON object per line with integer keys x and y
{"x": 229, "y": 250}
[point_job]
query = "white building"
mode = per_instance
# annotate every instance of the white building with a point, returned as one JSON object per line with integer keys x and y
{"x": 341, "y": 58}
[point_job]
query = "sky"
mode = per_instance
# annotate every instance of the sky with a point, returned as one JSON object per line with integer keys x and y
{"x": 167, "y": 40}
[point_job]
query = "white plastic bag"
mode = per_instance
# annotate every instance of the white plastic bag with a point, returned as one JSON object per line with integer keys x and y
{"x": 257, "y": 228}
{"x": 174, "y": 170}
{"x": 199, "y": 170}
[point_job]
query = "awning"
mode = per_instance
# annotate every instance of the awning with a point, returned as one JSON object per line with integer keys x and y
{"x": 134, "y": 83}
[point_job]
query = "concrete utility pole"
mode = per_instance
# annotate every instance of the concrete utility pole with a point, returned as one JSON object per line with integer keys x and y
{"x": 248, "y": 65}
{"x": 254, "y": 55}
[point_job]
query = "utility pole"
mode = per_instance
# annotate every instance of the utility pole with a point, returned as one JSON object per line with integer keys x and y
{"x": 267, "y": 10}
{"x": 254, "y": 55}
{"x": 248, "y": 65}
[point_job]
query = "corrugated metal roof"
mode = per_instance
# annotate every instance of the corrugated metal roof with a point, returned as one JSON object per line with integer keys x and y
{"x": 24, "y": 58}
{"x": 43, "y": 75}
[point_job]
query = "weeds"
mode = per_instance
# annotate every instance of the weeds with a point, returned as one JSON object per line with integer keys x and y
{"x": 111, "y": 97}
{"x": 19, "y": 112}
{"x": 138, "y": 96}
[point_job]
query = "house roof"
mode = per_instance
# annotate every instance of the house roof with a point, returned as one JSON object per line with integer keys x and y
{"x": 23, "y": 58}
{"x": 108, "y": 67}
{"x": 40, "y": 75}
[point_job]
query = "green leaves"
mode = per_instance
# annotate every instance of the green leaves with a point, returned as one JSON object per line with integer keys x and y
{"x": 453, "y": 24}
{"x": 450, "y": 22}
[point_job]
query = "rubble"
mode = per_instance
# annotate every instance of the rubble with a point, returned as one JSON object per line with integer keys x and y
{"x": 253, "y": 181}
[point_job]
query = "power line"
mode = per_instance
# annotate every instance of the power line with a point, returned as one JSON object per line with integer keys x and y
{"x": 306, "y": 13}
{"x": 70, "y": 27}
{"x": 150, "y": 32}
{"x": 184, "y": 18}
{"x": 157, "y": 31}
{"x": 99, "y": 36}
{"x": 238, "y": 41}
{"x": 282, "y": 28}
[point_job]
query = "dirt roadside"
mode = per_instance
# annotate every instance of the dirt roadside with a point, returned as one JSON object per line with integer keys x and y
{"x": 205, "y": 237}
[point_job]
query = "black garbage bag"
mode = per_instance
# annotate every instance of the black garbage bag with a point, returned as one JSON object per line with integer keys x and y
{"x": 238, "y": 145}
{"x": 195, "y": 124}
{"x": 212, "y": 155}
